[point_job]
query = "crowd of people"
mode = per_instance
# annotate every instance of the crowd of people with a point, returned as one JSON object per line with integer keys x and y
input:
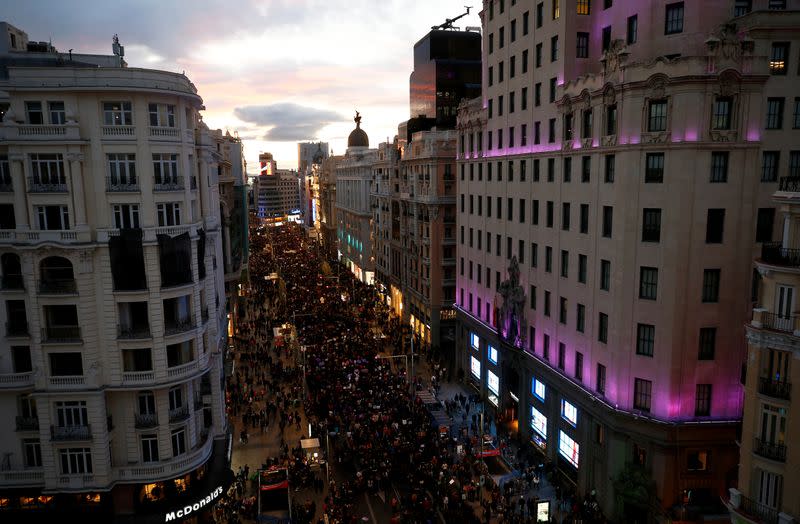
{"x": 329, "y": 370}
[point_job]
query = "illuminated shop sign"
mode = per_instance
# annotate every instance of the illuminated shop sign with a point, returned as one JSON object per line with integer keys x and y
{"x": 189, "y": 508}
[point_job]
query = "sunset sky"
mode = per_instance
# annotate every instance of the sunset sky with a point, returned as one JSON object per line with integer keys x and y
{"x": 276, "y": 71}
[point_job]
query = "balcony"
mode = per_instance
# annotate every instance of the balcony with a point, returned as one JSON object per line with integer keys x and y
{"x": 770, "y": 450}
{"x": 132, "y": 332}
{"x": 39, "y": 185}
{"x": 790, "y": 184}
{"x": 774, "y": 388}
{"x": 16, "y": 380}
{"x": 178, "y": 326}
{"x": 750, "y": 509}
{"x": 167, "y": 468}
{"x": 67, "y": 382}
{"x": 119, "y": 132}
{"x": 178, "y": 414}
{"x": 22, "y": 477}
{"x": 58, "y": 287}
{"x": 17, "y": 329}
{"x": 27, "y": 423}
{"x": 785, "y": 323}
{"x": 138, "y": 377}
{"x": 182, "y": 370}
{"x": 12, "y": 283}
{"x": 61, "y": 334}
{"x": 164, "y": 132}
{"x": 122, "y": 185}
{"x": 146, "y": 420}
{"x": 168, "y": 184}
{"x": 70, "y": 433}
{"x": 773, "y": 253}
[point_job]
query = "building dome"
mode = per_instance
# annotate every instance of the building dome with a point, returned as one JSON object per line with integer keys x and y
{"x": 358, "y": 138}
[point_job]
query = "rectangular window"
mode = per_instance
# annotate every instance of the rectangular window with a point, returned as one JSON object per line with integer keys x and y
{"x": 525, "y": 22}
{"x": 567, "y": 133}
{"x": 564, "y": 263}
{"x": 117, "y": 114}
{"x": 719, "y": 167}
{"x": 742, "y": 7}
{"x": 583, "y": 7}
{"x": 500, "y": 69}
{"x": 711, "y": 279}
{"x": 796, "y": 114}
{"x": 648, "y": 283}
{"x": 546, "y": 347}
{"x": 606, "y": 38}
{"x": 580, "y": 315}
{"x": 601, "y": 379}
{"x": 48, "y": 173}
{"x": 32, "y": 452}
{"x": 657, "y": 116}
{"x": 149, "y": 447}
{"x": 651, "y": 225}
{"x": 587, "y": 123}
{"x": 122, "y": 172}
{"x": 178, "y": 437}
{"x": 654, "y": 170}
{"x": 52, "y": 217}
{"x": 562, "y": 356}
{"x": 513, "y": 30}
{"x": 58, "y": 115}
{"x": 586, "y": 169}
{"x": 584, "y": 225}
{"x": 633, "y": 29}
{"x": 582, "y": 45}
{"x": 579, "y": 366}
{"x": 708, "y": 343}
{"x": 522, "y": 210}
{"x": 602, "y": 331}
{"x": 551, "y": 167}
{"x": 568, "y": 448}
{"x": 775, "y": 113}
{"x": 553, "y": 91}
{"x": 538, "y": 389}
{"x": 702, "y": 404}
{"x": 556, "y": 9}
{"x": 611, "y": 119}
{"x": 645, "y": 339}
{"x": 721, "y": 118}
{"x": 34, "y": 113}
{"x": 547, "y": 303}
{"x": 534, "y": 254}
{"x": 126, "y": 216}
{"x": 605, "y": 275}
{"x": 161, "y": 115}
{"x": 492, "y": 382}
{"x": 569, "y": 412}
{"x": 565, "y": 216}
{"x": 608, "y": 218}
{"x": 610, "y": 166}
{"x": 715, "y": 225}
{"x": 491, "y": 354}
{"x": 554, "y": 48}
{"x": 642, "y": 394}
{"x": 549, "y": 214}
{"x": 764, "y": 224}
{"x": 794, "y": 164}
{"x": 567, "y": 169}
{"x": 673, "y": 20}
{"x": 778, "y": 58}
{"x": 533, "y": 297}
{"x": 75, "y": 461}
{"x": 538, "y": 422}
{"x": 169, "y": 214}
{"x": 501, "y": 41}
{"x": 475, "y": 367}
{"x": 521, "y": 251}
{"x": 165, "y": 170}
{"x": 769, "y": 166}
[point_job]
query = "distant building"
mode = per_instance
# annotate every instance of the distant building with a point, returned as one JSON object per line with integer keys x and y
{"x": 310, "y": 156}
{"x": 278, "y": 195}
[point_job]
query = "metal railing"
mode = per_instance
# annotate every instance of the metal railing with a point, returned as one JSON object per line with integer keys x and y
{"x": 17, "y": 329}
{"x": 778, "y": 322}
{"x": 145, "y": 420}
{"x": 178, "y": 326}
{"x": 775, "y": 388}
{"x": 65, "y": 433}
{"x": 37, "y": 185}
{"x": 122, "y": 185}
{"x": 178, "y": 414}
{"x": 770, "y": 450}
{"x": 789, "y": 183}
{"x": 58, "y": 287}
{"x": 764, "y": 513}
{"x": 27, "y": 423}
{"x": 12, "y": 282}
{"x": 132, "y": 332}
{"x": 774, "y": 253}
{"x": 173, "y": 183}
{"x": 61, "y": 334}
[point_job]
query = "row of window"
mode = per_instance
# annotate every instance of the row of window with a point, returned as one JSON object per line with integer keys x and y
{"x": 114, "y": 113}
{"x": 126, "y": 216}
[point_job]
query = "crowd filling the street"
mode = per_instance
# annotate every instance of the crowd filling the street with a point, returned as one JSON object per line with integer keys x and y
{"x": 314, "y": 356}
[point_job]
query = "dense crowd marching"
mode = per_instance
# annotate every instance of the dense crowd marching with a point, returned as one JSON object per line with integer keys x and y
{"x": 380, "y": 431}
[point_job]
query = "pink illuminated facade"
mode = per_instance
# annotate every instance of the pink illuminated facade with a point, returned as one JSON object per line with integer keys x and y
{"x": 625, "y": 153}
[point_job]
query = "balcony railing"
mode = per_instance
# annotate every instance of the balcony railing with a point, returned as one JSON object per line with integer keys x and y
{"x": 65, "y": 433}
{"x": 61, "y": 334}
{"x": 775, "y": 388}
{"x": 790, "y": 184}
{"x": 164, "y": 132}
{"x": 774, "y": 253}
{"x": 13, "y": 380}
{"x": 58, "y": 287}
{"x": 770, "y": 450}
{"x": 17, "y": 329}
{"x": 146, "y": 420}
{"x": 178, "y": 414}
{"x": 132, "y": 332}
{"x": 9, "y": 282}
{"x": 68, "y": 381}
{"x": 178, "y": 326}
{"x": 137, "y": 377}
{"x": 16, "y": 478}
{"x": 778, "y": 322}
{"x": 122, "y": 185}
{"x": 762, "y": 512}
{"x": 174, "y": 183}
{"x": 168, "y": 468}
{"x": 38, "y": 185}
{"x": 27, "y": 423}
{"x": 125, "y": 132}
{"x": 182, "y": 370}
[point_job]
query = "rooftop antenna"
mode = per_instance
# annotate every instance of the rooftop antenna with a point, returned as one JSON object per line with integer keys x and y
{"x": 448, "y": 24}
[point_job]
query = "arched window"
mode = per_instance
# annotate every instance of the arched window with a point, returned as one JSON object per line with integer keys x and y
{"x": 56, "y": 276}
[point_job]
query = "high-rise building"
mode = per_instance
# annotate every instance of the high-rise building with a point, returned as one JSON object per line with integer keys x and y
{"x": 111, "y": 360}
{"x": 609, "y": 211}
{"x": 310, "y": 156}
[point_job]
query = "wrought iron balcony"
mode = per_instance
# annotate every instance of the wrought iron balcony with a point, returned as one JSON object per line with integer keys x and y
{"x": 122, "y": 185}
{"x": 146, "y": 420}
{"x": 775, "y": 322}
{"x": 42, "y": 185}
{"x": 17, "y": 329}
{"x": 770, "y": 450}
{"x": 9, "y": 282}
{"x": 774, "y": 253}
{"x": 27, "y": 423}
{"x": 132, "y": 332}
{"x": 61, "y": 334}
{"x": 790, "y": 184}
{"x": 178, "y": 326}
{"x": 775, "y": 388}
{"x": 178, "y": 414}
{"x": 762, "y": 512}
{"x": 58, "y": 287}
{"x": 174, "y": 183}
{"x": 65, "y": 433}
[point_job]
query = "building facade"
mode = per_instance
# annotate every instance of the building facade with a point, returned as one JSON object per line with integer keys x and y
{"x": 278, "y": 195}
{"x": 112, "y": 290}
{"x": 327, "y": 197}
{"x": 609, "y": 211}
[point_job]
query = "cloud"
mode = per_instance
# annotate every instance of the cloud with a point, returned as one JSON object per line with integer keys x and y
{"x": 288, "y": 122}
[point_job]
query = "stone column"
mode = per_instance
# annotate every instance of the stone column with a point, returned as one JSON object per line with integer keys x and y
{"x": 16, "y": 161}
{"x": 78, "y": 197}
